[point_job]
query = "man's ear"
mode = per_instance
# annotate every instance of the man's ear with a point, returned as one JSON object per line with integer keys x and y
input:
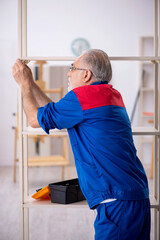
{"x": 87, "y": 76}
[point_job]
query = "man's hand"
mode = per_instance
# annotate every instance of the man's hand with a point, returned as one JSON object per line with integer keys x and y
{"x": 22, "y": 74}
{"x": 33, "y": 96}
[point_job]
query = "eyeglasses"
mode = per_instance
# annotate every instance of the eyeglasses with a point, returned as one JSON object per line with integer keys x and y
{"x": 74, "y": 68}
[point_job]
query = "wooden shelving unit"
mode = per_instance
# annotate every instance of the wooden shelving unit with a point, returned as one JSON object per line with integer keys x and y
{"x": 25, "y": 200}
{"x": 146, "y": 98}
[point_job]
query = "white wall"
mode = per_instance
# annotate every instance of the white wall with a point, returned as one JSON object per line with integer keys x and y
{"x": 8, "y": 89}
{"x": 112, "y": 25}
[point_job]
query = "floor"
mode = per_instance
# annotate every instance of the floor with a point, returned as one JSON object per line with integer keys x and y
{"x": 45, "y": 223}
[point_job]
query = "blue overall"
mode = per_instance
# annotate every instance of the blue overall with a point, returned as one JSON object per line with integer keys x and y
{"x": 101, "y": 139}
{"x": 123, "y": 220}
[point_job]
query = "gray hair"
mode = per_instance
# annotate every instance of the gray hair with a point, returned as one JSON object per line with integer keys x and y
{"x": 98, "y": 63}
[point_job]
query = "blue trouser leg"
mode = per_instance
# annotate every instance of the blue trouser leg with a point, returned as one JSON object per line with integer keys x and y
{"x": 123, "y": 220}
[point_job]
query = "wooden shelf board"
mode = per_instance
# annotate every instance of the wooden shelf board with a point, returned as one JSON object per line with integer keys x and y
{"x": 50, "y": 158}
{"x": 82, "y": 204}
{"x": 153, "y": 202}
{"x": 112, "y": 58}
{"x": 39, "y": 131}
{"x": 47, "y": 203}
{"x": 56, "y": 132}
{"x": 55, "y": 160}
{"x": 145, "y": 131}
{"x": 145, "y": 89}
{"x": 47, "y": 164}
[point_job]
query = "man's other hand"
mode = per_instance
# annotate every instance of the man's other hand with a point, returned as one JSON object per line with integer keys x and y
{"x": 22, "y": 74}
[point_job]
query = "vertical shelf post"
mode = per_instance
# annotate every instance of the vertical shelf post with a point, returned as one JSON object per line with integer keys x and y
{"x": 158, "y": 111}
{"x": 20, "y": 124}
{"x": 156, "y": 123}
{"x": 23, "y": 170}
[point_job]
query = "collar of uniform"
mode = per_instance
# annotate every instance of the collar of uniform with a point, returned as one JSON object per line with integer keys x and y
{"x": 99, "y": 82}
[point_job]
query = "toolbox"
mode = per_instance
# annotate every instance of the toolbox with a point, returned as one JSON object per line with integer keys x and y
{"x": 66, "y": 192}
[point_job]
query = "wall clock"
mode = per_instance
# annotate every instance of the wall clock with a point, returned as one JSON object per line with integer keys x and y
{"x": 79, "y": 45}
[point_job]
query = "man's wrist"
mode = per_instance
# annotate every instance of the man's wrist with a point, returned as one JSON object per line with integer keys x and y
{"x": 25, "y": 88}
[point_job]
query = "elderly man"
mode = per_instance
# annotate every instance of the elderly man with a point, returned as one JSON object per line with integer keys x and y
{"x": 110, "y": 174}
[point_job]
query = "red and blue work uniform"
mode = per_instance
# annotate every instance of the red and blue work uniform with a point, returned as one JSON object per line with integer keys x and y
{"x": 105, "y": 157}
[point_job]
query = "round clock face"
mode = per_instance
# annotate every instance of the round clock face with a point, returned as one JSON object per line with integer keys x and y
{"x": 79, "y": 45}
